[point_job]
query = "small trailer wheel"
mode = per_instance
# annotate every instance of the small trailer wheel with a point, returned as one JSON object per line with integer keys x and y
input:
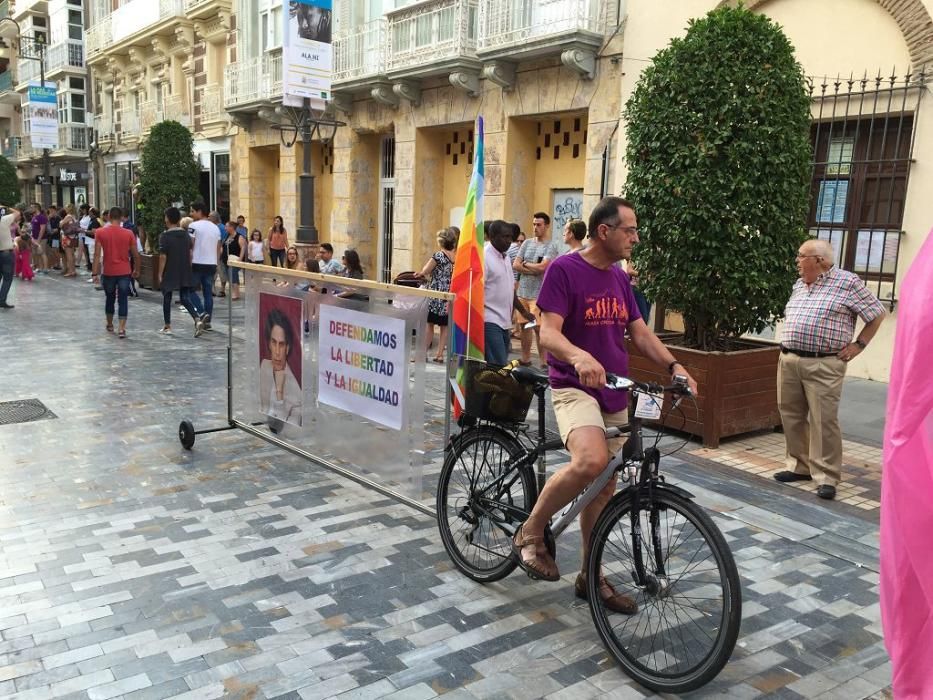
{"x": 186, "y": 434}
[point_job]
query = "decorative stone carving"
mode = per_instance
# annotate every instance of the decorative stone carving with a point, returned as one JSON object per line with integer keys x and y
{"x": 184, "y": 38}
{"x": 502, "y": 73}
{"x": 581, "y": 61}
{"x": 408, "y": 90}
{"x": 342, "y": 103}
{"x": 467, "y": 81}
{"x": 384, "y": 94}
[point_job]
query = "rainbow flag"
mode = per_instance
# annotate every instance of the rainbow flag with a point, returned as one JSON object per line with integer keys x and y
{"x": 467, "y": 280}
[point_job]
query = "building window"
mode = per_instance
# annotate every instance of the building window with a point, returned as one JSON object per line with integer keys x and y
{"x": 270, "y": 23}
{"x": 858, "y": 190}
{"x": 862, "y": 142}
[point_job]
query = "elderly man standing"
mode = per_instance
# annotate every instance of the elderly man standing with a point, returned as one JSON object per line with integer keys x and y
{"x": 816, "y": 345}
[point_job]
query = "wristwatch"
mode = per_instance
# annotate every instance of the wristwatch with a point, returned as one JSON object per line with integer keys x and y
{"x": 670, "y": 367}
{"x": 859, "y": 343}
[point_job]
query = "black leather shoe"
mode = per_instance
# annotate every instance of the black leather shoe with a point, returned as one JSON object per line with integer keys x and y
{"x": 826, "y": 492}
{"x": 788, "y": 477}
{"x": 4, "y": 305}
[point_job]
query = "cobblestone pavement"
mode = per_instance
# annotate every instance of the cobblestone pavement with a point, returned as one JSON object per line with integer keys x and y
{"x": 132, "y": 568}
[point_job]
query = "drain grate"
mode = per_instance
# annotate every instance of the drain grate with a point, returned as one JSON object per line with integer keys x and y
{"x": 24, "y": 411}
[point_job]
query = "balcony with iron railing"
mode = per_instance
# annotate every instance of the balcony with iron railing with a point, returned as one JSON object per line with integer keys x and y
{"x": 525, "y": 28}
{"x": 11, "y": 147}
{"x": 26, "y": 151}
{"x": 177, "y": 110}
{"x": 204, "y": 9}
{"x": 432, "y": 37}
{"x": 128, "y": 126}
{"x": 131, "y": 23}
{"x": 62, "y": 56}
{"x": 253, "y": 80}
{"x": 150, "y": 114}
{"x": 103, "y": 126}
{"x": 212, "y": 104}
{"x": 27, "y": 72}
{"x": 8, "y": 88}
{"x": 361, "y": 54}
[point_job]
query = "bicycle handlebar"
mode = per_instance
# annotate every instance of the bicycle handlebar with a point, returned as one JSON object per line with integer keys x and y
{"x": 618, "y": 383}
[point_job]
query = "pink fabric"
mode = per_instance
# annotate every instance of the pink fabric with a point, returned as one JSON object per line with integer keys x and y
{"x": 22, "y": 265}
{"x": 907, "y": 490}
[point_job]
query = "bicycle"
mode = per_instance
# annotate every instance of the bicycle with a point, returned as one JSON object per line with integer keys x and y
{"x": 651, "y": 541}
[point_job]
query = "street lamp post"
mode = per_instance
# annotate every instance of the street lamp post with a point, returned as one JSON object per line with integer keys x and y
{"x": 37, "y": 54}
{"x": 306, "y": 122}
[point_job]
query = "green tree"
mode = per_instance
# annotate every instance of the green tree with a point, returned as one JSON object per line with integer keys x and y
{"x": 9, "y": 183}
{"x": 170, "y": 174}
{"x": 719, "y": 173}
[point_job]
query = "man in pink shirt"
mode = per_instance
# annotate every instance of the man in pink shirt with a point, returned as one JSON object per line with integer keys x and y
{"x": 499, "y": 293}
{"x": 116, "y": 244}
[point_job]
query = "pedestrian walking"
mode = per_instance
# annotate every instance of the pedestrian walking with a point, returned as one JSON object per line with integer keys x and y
{"x": 907, "y": 489}
{"x": 234, "y": 245}
{"x": 438, "y": 270}
{"x": 499, "y": 297}
{"x": 117, "y": 246}
{"x": 204, "y": 260}
{"x": 574, "y": 233}
{"x": 53, "y": 249}
{"x": 69, "y": 238}
{"x": 214, "y": 218}
{"x": 175, "y": 249}
{"x": 40, "y": 231}
{"x": 7, "y": 254}
{"x": 278, "y": 242}
{"x": 816, "y": 346}
{"x": 532, "y": 262}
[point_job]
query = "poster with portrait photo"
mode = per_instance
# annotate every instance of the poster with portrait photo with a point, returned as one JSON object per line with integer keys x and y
{"x": 308, "y": 52}
{"x": 280, "y": 353}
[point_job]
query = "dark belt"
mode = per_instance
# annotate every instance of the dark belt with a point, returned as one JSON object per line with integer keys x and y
{"x": 804, "y": 353}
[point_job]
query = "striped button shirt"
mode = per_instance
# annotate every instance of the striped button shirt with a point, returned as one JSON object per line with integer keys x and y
{"x": 820, "y": 317}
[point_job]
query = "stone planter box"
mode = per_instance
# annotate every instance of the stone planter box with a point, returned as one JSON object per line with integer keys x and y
{"x": 738, "y": 389}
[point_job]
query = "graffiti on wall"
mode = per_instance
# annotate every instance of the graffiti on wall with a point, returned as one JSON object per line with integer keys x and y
{"x": 566, "y": 205}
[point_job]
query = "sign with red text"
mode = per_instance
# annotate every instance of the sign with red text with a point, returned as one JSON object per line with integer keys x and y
{"x": 363, "y": 364}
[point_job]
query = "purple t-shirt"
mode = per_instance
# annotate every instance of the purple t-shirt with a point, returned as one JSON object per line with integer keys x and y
{"x": 597, "y": 306}
{"x": 37, "y": 221}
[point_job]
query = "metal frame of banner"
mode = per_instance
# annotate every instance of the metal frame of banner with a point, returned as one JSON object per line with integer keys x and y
{"x": 187, "y": 433}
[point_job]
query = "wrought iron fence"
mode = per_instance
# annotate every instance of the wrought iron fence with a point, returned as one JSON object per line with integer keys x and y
{"x": 862, "y": 136}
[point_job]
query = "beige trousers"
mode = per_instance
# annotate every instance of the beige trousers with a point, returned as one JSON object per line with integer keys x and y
{"x": 809, "y": 390}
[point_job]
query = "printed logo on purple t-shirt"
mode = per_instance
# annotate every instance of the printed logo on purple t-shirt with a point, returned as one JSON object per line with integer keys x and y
{"x": 604, "y": 309}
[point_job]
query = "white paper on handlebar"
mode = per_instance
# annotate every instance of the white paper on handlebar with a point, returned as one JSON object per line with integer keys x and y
{"x": 648, "y": 406}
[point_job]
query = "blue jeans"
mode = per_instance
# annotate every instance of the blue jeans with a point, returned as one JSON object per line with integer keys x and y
{"x": 185, "y": 296}
{"x": 203, "y": 276}
{"x": 498, "y": 343}
{"x": 116, "y": 288}
{"x": 6, "y": 273}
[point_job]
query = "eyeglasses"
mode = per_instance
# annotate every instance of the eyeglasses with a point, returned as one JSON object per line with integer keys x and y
{"x": 631, "y": 230}
{"x": 801, "y": 256}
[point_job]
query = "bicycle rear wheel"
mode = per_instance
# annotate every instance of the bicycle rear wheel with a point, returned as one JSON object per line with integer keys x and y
{"x": 689, "y": 603}
{"x": 473, "y": 516}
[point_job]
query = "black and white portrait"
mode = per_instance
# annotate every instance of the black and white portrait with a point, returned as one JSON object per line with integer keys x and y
{"x": 313, "y": 21}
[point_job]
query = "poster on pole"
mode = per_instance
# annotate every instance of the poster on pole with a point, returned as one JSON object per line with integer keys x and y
{"x": 363, "y": 364}
{"x": 43, "y": 115}
{"x": 307, "y": 54}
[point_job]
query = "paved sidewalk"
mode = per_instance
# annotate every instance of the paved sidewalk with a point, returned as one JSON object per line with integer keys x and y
{"x": 130, "y": 568}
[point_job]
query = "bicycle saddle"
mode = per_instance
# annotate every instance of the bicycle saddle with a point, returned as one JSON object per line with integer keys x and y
{"x": 531, "y": 376}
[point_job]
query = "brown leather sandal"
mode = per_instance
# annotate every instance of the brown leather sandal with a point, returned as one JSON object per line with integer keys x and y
{"x": 617, "y": 602}
{"x": 542, "y": 568}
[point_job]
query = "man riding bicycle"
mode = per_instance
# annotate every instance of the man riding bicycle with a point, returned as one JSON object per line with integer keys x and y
{"x": 587, "y": 305}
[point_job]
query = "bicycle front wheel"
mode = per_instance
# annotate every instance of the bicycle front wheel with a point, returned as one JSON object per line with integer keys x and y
{"x": 480, "y": 500}
{"x": 689, "y": 598}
